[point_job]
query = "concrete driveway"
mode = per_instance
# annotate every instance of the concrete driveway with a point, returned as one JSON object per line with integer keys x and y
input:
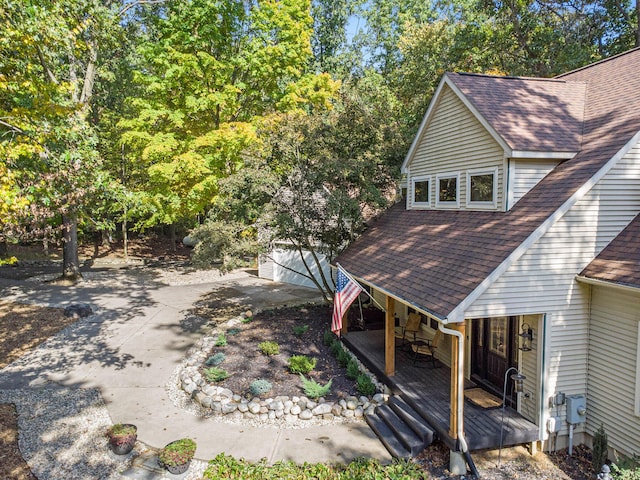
{"x": 137, "y": 338}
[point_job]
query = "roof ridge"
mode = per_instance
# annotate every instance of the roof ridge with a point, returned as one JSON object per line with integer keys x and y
{"x": 604, "y": 60}
{"x": 515, "y": 77}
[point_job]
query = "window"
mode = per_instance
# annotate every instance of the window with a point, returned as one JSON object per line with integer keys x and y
{"x": 421, "y": 192}
{"x": 481, "y": 188}
{"x": 448, "y": 189}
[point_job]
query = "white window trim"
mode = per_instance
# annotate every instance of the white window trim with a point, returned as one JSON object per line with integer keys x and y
{"x": 637, "y": 406}
{"x": 487, "y": 171}
{"x": 441, "y": 176}
{"x": 414, "y": 180}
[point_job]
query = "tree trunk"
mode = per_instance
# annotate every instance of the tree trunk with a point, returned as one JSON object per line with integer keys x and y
{"x": 125, "y": 238}
{"x": 4, "y": 252}
{"x": 70, "y": 262}
{"x": 172, "y": 234}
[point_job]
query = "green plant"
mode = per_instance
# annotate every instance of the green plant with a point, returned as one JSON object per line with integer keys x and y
{"x": 121, "y": 434}
{"x": 247, "y": 320}
{"x": 343, "y": 358}
{"x": 313, "y": 389}
{"x": 215, "y": 374}
{"x": 300, "y": 330}
{"x": 8, "y": 261}
{"x": 353, "y": 370}
{"x": 301, "y": 364}
{"x": 260, "y": 387}
{"x": 329, "y": 338}
{"x": 233, "y": 331}
{"x": 626, "y": 468}
{"x": 216, "y": 359}
{"x": 178, "y": 452}
{"x": 600, "y": 449}
{"x": 269, "y": 348}
{"x": 221, "y": 341}
{"x": 365, "y": 385}
{"x": 336, "y": 348}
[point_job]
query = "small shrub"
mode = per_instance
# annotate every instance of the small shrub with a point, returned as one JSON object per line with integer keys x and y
{"x": 247, "y": 320}
{"x": 600, "y": 448}
{"x": 336, "y": 348}
{"x": 269, "y": 348}
{"x": 300, "y": 330}
{"x": 178, "y": 452}
{"x": 365, "y": 385}
{"x": 215, "y": 360}
{"x": 329, "y": 338}
{"x": 343, "y": 358}
{"x": 313, "y": 389}
{"x": 626, "y": 468}
{"x": 221, "y": 341}
{"x": 301, "y": 364}
{"x": 233, "y": 331}
{"x": 215, "y": 374}
{"x": 8, "y": 261}
{"x": 353, "y": 370}
{"x": 260, "y": 387}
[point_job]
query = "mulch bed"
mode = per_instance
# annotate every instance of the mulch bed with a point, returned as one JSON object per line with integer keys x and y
{"x": 246, "y": 363}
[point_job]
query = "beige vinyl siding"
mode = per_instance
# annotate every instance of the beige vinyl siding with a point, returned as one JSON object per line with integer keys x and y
{"x": 456, "y": 142}
{"x": 613, "y": 352}
{"x": 529, "y": 366}
{"x": 524, "y": 174}
{"x": 543, "y": 279}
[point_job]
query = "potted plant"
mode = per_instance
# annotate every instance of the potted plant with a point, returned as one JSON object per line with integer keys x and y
{"x": 177, "y": 455}
{"x": 122, "y": 437}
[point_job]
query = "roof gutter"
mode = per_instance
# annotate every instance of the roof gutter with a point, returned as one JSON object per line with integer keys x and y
{"x": 605, "y": 283}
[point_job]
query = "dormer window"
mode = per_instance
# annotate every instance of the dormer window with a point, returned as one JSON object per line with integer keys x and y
{"x": 448, "y": 190}
{"x": 481, "y": 188}
{"x": 421, "y": 191}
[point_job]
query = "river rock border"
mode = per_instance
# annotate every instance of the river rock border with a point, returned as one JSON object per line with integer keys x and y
{"x": 296, "y": 411}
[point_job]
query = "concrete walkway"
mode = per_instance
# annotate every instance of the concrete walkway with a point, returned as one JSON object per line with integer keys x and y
{"x": 139, "y": 335}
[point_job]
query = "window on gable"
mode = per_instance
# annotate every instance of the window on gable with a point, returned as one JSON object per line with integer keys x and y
{"x": 448, "y": 190}
{"x": 421, "y": 191}
{"x": 481, "y": 188}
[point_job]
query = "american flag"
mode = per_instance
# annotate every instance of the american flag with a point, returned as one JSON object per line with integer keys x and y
{"x": 347, "y": 291}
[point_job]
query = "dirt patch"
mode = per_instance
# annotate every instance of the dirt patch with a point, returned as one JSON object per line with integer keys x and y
{"x": 246, "y": 363}
{"x": 11, "y": 463}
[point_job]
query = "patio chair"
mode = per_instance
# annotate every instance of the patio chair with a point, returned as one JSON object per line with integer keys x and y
{"x": 426, "y": 348}
{"x": 408, "y": 331}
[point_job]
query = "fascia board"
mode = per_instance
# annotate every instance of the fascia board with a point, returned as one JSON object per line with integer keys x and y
{"x": 543, "y": 155}
{"x": 607, "y": 284}
{"x": 457, "y": 314}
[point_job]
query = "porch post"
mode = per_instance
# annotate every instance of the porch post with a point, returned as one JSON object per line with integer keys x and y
{"x": 389, "y": 338}
{"x": 345, "y": 322}
{"x": 457, "y": 462}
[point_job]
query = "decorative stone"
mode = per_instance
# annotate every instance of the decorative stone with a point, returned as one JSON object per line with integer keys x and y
{"x": 305, "y": 415}
{"x": 363, "y": 399}
{"x": 352, "y": 405}
{"x": 190, "y": 388}
{"x": 311, "y": 404}
{"x": 336, "y": 409}
{"x": 243, "y": 407}
{"x": 322, "y": 409}
{"x": 328, "y": 417}
{"x": 272, "y": 415}
{"x": 229, "y": 408}
{"x": 295, "y": 399}
{"x": 254, "y": 407}
{"x": 291, "y": 418}
{"x": 236, "y": 398}
{"x": 359, "y": 412}
{"x": 206, "y": 401}
{"x": 295, "y": 410}
{"x": 348, "y": 413}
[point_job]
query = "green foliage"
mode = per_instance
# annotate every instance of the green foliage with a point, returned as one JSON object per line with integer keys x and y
{"x": 329, "y": 338}
{"x": 178, "y": 452}
{"x": 626, "y": 469}
{"x": 336, "y": 348}
{"x": 300, "y": 330}
{"x": 8, "y": 261}
{"x": 269, "y": 348}
{"x": 260, "y": 387}
{"x": 233, "y": 331}
{"x": 313, "y": 389}
{"x": 215, "y": 359}
{"x": 247, "y": 320}
{"x": 225, "y": 466}
{"x": 215, "y": 374}
{"x": 600, "y": 449}
{"x": 365, "y": 385}
{"x": 221, "y": 340}
{"x": 301, "y": 364}
{"x": 353, "y": 370}
{"x": 343, "y": 358}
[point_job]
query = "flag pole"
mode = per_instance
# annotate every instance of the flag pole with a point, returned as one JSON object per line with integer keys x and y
{"x": 363, "y": 289}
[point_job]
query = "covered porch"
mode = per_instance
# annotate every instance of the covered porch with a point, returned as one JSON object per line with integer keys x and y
{"x": 428, "y": 391}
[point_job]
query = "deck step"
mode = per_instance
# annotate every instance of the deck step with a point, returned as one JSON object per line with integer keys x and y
{"x": 401, "y": 430}
{"x": 386, "y": 436}
{"x": 412, "y": 418}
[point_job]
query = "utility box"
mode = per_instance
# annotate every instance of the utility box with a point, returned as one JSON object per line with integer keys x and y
{"x": 576, "y": 409}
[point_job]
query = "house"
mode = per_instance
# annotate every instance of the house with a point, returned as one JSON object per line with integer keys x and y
{"x": 520, "y": 240}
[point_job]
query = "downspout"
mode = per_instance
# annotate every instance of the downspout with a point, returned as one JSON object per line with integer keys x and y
{"x": 460, "y": 400}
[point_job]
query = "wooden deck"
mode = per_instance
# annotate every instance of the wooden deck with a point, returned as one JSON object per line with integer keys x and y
{"x": 427, "y": 390}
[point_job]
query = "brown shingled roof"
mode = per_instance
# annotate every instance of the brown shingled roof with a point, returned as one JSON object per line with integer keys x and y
{"x": 436, "y": 259}
{"x": 619, "y": 262}
{"x": 541, "y": 115}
